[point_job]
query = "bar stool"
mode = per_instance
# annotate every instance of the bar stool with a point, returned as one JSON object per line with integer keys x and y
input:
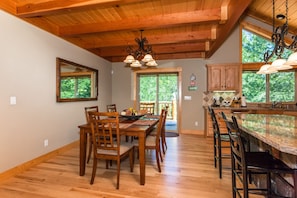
{"x": 248, "y": 163}
{"x": 220, "y": 140}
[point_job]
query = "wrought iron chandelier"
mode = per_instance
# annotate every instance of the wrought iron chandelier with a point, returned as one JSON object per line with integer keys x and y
{"x": 141, "y": 56}
{"x": 278, "y": 38}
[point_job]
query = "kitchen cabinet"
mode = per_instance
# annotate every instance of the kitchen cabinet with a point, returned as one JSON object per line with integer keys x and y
{"x": 223, "y": 77}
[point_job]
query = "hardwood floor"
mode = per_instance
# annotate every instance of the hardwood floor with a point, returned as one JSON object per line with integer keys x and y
{"x": 187, "y": 171}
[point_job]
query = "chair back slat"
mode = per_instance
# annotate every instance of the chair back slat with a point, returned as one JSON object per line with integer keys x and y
{"x": 111, "y": 108}
{"x": 105, "y": 130}
{"x": 215, "y": 124}
{"x": 88, "y": 109}
{"x": 237, "y": 145}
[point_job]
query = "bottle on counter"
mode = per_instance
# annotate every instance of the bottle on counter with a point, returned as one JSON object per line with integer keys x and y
{"x": 243, "y": 101}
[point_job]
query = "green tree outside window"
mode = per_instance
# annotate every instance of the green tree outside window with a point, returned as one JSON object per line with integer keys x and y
{"x": 281, "y": 85}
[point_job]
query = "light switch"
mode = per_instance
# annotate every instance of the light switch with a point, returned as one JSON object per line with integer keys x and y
{"x": 187, "y": 97}
{"x": 12, "y": 100}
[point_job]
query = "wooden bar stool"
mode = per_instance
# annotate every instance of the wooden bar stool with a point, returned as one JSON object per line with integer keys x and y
{"x": 220, "y": 140}
{"x": 248, "y": 163}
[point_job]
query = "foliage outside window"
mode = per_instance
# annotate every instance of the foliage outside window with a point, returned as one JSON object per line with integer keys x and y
{"x": 76, "y": 87}
{"x": 167, "y": 85}
{"x": 259, "y": 87}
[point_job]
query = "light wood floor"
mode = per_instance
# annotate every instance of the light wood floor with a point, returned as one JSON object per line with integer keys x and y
{"x": 187, "y": 171}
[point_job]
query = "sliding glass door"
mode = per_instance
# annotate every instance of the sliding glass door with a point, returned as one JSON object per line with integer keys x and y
{"x": 161, "y": 88}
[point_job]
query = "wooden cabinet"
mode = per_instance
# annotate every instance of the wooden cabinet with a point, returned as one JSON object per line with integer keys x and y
{"x": 222, "y": 77}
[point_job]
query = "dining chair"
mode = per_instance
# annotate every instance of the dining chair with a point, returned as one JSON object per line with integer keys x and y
{"x": 221, "y": 142}
{"x": 163, "y": 134}
{"x": 147, "y": 107}
{"x": 246, "y": 162}
{"x": 111, "y": 108}
{"x": 87, "y": 110}
{"x": 105, "y": 145}
{"x": 153, "y": 142}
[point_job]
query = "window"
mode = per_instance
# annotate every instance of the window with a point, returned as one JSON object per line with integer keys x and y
{"x": 268, "y": 88}
{"x": 264, "y": 88}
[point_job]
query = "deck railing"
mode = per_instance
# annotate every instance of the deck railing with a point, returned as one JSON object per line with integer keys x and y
{"x": 171, "y": 115}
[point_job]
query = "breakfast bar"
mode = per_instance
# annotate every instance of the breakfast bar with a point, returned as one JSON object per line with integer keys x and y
{"x": 277, "y": 131}
{"x": 274, "y": 133}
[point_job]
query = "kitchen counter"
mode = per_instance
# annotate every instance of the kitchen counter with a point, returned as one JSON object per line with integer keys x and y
{"x": 246, "y": 109}
{"x": 276, "y": 134}
{"x": 278, "y": 131}
{"x": 208, "y": 131}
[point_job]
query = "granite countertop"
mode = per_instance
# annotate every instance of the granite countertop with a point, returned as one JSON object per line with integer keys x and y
{"x": 253, "y": 108}
{"x": 278, "y": 131}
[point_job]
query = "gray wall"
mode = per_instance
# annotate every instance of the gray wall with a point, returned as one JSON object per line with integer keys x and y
{"x": 28, "y": 71}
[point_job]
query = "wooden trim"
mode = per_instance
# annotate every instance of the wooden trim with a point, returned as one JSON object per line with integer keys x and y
{"x": 255, "y": 66}
{"x": 22, "y": 167}
{"x": 193, "y": 132}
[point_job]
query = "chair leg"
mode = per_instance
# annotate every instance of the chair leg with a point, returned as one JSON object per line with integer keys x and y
{"x": 90, "y": 148}
{"x": 268, "y": 181}
{"x": 160, "y": 154}
{"x": 94, "y": 170}
{"x": 220, "y": 159}
{"x": 295, "y": 182}
{"x": 158, "y": 160}
{"x": 164, "y": 144}
{"x": 131, "y": 159}
{"x": 245, "y": 184}
{"x": 233, "y": 178}
{"x": 118, "y": 173}
{"x": 159, "y": 151}
{"x": 215, "y": 150}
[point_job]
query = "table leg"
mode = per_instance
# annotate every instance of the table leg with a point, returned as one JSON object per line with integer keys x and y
{"x": 82, "y": 152}
{"x": 141, "y": 147}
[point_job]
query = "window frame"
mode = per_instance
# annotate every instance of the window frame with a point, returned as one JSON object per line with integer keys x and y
{"x": 256, "y": 66}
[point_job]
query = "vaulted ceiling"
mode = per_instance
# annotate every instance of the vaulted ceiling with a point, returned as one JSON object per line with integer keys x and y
{"x": 174, "y": 28}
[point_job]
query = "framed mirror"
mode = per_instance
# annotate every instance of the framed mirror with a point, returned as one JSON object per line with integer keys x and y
{"x": 75, "y": 82}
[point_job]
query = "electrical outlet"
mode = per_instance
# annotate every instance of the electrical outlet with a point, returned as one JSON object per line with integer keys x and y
{"x": 196, "y": 123}
{"x": 45, "y": 142}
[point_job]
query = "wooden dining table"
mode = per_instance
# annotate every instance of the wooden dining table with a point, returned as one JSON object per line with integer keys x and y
{"x": 136, "y": 128}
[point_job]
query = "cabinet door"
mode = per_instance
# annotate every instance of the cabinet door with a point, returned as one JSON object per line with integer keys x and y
{"x": 215, "y": 79}
{"x": 231, "y": 78}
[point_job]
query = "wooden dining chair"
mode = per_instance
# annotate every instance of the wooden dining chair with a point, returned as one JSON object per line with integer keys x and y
{"x": 221, "y": 142}
{"x": 246, "y": 163}
{"x": 111, "y": 108}
{"x": 87, "y": 110}
{"x": 163, "y": 134}
{"x": 105, "y": 145}
{"x": 147, "y": 108}
{"x": 153, "y": 142}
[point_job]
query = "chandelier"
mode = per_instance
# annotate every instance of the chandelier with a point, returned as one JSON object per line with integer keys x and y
{"x": 141, "y": 56}
{"x": 278, "y": 38}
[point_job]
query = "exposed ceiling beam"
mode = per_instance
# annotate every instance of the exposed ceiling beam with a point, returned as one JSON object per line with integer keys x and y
{"x": 166, "y": 56}
{"x": 202, "y": 35}
{"x": 235, "y": 9}
{"x": 8, "y": 6}
{"x": 151, "y": 22}
{"x": 56, "y": 6}
{"x": 160, "y": 49}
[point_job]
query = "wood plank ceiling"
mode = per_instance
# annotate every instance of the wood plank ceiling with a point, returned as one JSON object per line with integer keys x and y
{"x": 174, "y": 28}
